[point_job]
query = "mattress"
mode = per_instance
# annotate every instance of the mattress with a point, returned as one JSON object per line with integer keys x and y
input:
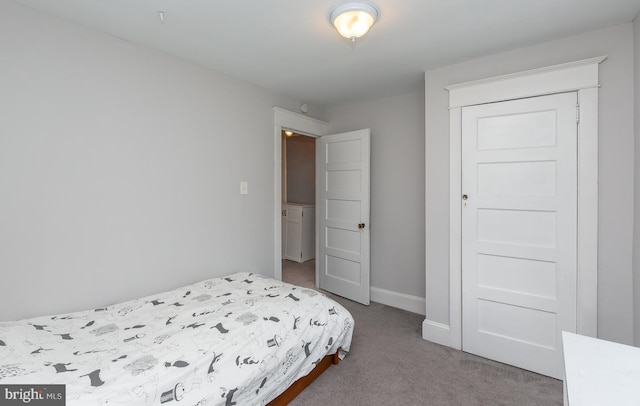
{"x": 237, "y": 340}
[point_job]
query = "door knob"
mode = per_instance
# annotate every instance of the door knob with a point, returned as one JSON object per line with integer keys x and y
{"x": 465, "y": 197}
{"x": 361, "y": 226}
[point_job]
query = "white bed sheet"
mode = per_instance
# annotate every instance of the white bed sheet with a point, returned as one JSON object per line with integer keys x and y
{"x": 237, "y": 340}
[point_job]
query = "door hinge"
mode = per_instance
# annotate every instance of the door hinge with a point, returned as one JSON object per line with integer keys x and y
{"x": 577, "y": 114}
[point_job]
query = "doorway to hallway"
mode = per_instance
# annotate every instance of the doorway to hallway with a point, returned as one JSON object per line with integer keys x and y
{"x": 300, "y": 274}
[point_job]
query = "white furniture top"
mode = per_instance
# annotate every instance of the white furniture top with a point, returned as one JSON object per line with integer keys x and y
{"x": 599, "y": 372}
{"x": 298, "y": 204}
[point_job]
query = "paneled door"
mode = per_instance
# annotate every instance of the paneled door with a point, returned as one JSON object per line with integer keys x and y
{"x": 519, "y": 230}
{"x": 342, "y": 203}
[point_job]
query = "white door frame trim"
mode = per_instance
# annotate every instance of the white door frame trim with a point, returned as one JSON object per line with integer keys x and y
{"x": 312, "y": 127}
{"x": 581, "y": 77}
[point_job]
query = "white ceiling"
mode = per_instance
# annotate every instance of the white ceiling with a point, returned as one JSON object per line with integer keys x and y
{"x": 290, "y": 47}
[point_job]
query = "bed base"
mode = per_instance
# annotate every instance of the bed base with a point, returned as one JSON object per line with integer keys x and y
{"x": 299, "y": 385}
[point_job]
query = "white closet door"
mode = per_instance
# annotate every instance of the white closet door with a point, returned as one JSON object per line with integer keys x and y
{"x": 519, "y": 230}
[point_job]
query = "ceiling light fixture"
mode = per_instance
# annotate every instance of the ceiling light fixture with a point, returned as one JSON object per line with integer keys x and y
{"x": 288, "y": 133}
{"x": 353, "y": 20}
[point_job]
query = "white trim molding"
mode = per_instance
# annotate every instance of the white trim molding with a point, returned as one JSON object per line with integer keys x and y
{"x": 565, "y": 77}
{"x": 581, "y": 77}
{"x": 299, "y": 123}
{"x": 413, "y": 304}
{"x": 285, "y": 119}
{"x": 436, "y": 332}
{"x": 455, "y": 228}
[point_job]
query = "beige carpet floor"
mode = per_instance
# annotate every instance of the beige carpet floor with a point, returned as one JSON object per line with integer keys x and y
{"x": 390, "y": 364}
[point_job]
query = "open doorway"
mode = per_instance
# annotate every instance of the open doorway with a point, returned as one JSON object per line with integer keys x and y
{"x": 300, "y": 124}
{"x": 342, "y": 235}
{"x": 298, "y": 208}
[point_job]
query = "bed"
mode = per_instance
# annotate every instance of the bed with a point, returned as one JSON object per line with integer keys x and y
{"x": 243, "y": 339}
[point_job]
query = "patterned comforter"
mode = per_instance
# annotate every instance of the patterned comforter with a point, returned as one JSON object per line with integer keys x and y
{"x": 237, "y": 340}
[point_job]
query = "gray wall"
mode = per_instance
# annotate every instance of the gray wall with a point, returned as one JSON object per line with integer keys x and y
{"x": 301, "y": 169}
{"x": 397, "y": 186}
{"x": 120, "y": 169}
{"x": 636, "y": 228}
{"x": 616, "y": 166}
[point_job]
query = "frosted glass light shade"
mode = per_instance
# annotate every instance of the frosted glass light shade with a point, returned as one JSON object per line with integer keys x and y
{"x": 353, "y": 20}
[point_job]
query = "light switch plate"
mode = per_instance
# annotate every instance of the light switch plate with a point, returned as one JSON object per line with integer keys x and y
{"x": 244, "y": 187}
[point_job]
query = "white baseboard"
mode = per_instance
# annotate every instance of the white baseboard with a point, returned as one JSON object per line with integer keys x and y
{"x": 436, "y": 332}
{"x": 399, "y": 300}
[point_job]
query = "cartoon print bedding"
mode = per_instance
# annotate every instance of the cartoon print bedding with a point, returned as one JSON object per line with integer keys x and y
{"x": 237, "y": 340}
